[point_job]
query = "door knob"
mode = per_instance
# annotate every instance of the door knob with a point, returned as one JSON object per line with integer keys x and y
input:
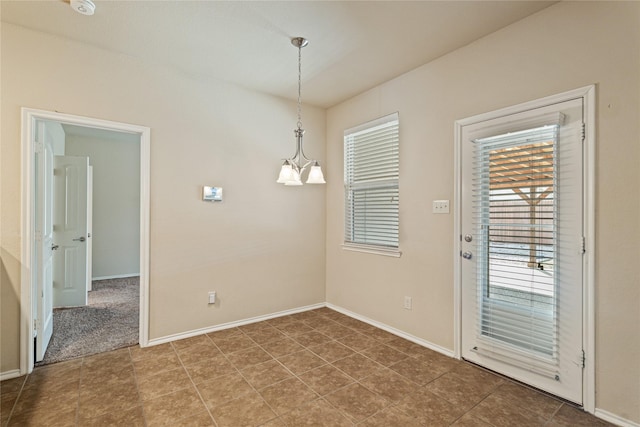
{"x": 79, "y": 239}
{"x": 467, "y": 255}
{"x": 54, "y": 247}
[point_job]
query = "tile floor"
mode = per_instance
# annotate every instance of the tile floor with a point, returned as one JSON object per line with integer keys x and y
{"x": 317, "y": 368}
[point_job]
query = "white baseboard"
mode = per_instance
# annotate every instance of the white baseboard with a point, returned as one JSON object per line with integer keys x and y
{"x": 9, "y": 374}
{"x": 614, "y": 419}
{"x": 117, "y": 276}
{"x": 393, "y": 330}
{"x": 195, "y": 332}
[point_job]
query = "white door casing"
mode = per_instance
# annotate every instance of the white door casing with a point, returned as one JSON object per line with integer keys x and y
{"x": 29, "y": 295}
{"x": 89, "y": 228}
{"x": 575, "y": 255}
{"x": 43, "y": 233}
{"x": 70, "y": 283}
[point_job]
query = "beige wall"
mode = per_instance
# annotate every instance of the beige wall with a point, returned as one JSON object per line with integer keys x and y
{"x": 115, "y": 237}
{"x": 566, "y": 46}
{"x": 262, "y": 249}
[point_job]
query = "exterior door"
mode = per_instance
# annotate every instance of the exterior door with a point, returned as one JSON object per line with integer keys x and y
{"x": 44, "y": 245}
{"x": 522, "y": 243}
{"x": 70, "y": 283}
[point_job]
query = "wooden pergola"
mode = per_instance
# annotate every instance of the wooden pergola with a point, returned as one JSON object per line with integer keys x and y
{"x": 528, "y": 171}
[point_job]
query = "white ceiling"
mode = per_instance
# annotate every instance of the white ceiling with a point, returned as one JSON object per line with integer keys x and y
{"x": 353, "y": 45}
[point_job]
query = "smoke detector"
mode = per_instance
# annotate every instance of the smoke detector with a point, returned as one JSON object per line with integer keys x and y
{"x": 85, "y": 7}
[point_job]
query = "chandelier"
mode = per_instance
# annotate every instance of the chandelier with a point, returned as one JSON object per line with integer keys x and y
{"x": 294, "y": 166}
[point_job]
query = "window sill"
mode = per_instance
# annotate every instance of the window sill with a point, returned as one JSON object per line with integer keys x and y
{"x": 376, "y": 250}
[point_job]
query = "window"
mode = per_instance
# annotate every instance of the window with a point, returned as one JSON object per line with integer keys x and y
{"x": 371, "y": 171}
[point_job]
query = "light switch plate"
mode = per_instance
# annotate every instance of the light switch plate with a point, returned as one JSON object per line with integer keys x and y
{"x": 440, "y": 206}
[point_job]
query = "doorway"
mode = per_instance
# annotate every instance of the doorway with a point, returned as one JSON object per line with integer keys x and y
{"x": 524, "y": 246}
{"x": 37, "y": 292}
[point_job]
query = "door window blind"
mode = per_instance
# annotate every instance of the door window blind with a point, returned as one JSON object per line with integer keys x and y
{"x": 515, "y": 210}
{"x": 371, "y": 172}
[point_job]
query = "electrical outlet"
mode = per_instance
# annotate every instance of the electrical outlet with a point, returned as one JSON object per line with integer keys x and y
{"x": 440, "y": 207}
{"x": 212, "y": 297}
{"x": 407, "y": 303}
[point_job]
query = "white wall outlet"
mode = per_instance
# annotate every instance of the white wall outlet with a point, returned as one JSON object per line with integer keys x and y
{"x": 212, "y": 297}
{"x": 407, "y": 303}
{"x": 440, "y": 206}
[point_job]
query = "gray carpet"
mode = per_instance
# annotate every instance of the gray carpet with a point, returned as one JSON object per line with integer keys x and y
{"x": 109, "y": 322}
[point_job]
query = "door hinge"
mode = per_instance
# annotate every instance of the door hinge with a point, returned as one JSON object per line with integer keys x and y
{"x": 583, "y": 132}
{"x": 583, "y": 360}
{"x": 35, "y": 324}
{"x": 583, "y": 245}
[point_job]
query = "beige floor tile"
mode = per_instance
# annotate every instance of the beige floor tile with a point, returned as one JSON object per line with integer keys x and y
{"x": 358, "y": 341}
{"x": 315, "y": 322}
{"x": 301, "y": 361}
{"x": 198, "y": 352}
{"x": 286, "y": 395}
{"x": 389, "y": 384}
{"x": 462, "y": 393}
{"x": 356, "y": 402}
{"x": 171, "y": 408}
{"x": 405, "y": 346}
{"x": 265, "y": 374}
{"x": 165, "y": 382}
{"x": 568, "y": 416}
{"x": 468, "y": 420}
{"x": 54, "y": 375}
{"x": 7, "y": 401}
{"x": 255, "y": 327}
{"x": 50, "y": 396}
{"x": 325, "y": 379}
{"x": 501, "y": 413}
{"x": 102, "y": 400}
{"x": 472, "y": 373}
{"x": 120, "y": 358}
{"x": 201, "y": 419}
{"x": 332, "y": 351}
{"x": 335, "y": 330}
{"x": 429, "y": 409}
{"x": 265, "y": 335}
{"x": 234, "y": 343}
{"x": 138, "y": 352}
{"x": 384, "y": 355}
{"x": 49, "y": 417}
{"x": 350, "y": 322}
{"x": 279, "y": 321}
{"x": 156, "y": 364}
{"x": 415, "y": 370}
{"x": 357, "y": 366}
{"x": 104, "y": 377}
{"x": 294, "y": 328}
{"x": 198, "y": 340}
{"x": 438, "y": 363}
{"x": 312, "y": 338}
{"x": 390, "y": 417}
{"x": 376, "y": 333}
{"x": 224, "y": 334}
{"x": 223, "y": 389}
{"x": 276, "y": 422}
{"x": 317, "y": 413}
{"x": 248, "y": 410}
{"x": 282, "y": 347}
{"x": 525, "y": 398}
{"x": 248, "y": 357}
{"x": 209, "y": 368}
{"x": 303, "y": 315}
{"x": 13, "y": 385}
{"x": 133, "y": 417}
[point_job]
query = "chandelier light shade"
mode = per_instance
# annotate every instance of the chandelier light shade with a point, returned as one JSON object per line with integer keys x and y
{"x": 293, "y": 167}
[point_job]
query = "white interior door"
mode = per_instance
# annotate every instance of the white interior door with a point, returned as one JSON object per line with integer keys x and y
{"x": 70, "y": 282}
{"x": 44, "y": 245}
{"x": 522, "y": 246}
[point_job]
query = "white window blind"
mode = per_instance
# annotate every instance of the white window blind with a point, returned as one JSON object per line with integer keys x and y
{"x": 371, "y": 172}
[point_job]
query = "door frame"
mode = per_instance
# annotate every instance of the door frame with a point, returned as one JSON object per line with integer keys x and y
{"x": 588, "y": 94}
{"x": 29, "y": 117}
